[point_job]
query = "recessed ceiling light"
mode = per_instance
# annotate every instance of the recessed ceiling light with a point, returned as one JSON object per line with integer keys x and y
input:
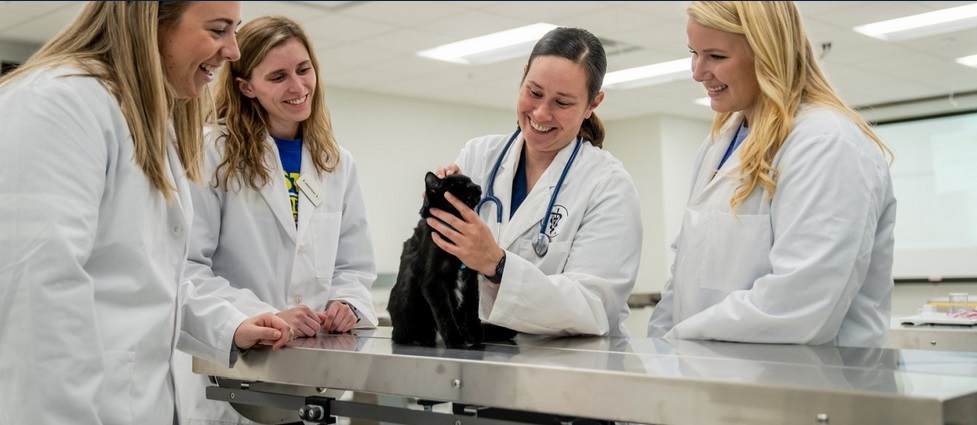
{"x": 497, "y": 47}
{"x": 923, "y": 25}
{"x": 659, "y": 73}
{"x": 968, "y": 60}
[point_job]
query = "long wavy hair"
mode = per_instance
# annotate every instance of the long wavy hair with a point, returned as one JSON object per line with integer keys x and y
{"x": 788, "y": 74}
{"x": 247, "y": 121}
{"x": 582, "y": 48}
{"x": 118, "y": 43}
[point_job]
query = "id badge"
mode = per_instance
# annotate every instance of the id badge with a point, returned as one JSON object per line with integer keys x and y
{"x": 310, "y": 188}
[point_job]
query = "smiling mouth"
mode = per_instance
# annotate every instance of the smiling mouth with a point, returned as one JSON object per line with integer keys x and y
{"x": 298, "y": 101}
{"x": 538, "y": 127}
{"x": 716, "y": 89}
{"x": 208, "y": 69}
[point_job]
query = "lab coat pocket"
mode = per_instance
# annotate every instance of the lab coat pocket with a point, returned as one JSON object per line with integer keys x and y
{"x": 116, "y": 398}
{"x": 555, "y": 260}
{"x": 739, "y": 253}
{"x": 325, "y": 228}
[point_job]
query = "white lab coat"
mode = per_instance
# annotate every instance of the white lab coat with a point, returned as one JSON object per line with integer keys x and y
{"x": 581, "y": 286}
{"x": 813, "y": 265}
{"x": 245, "y": 248}
{"x": 90, "y": 262}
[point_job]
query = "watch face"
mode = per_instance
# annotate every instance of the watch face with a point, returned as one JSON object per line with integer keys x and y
{"x": 500, "y": 267}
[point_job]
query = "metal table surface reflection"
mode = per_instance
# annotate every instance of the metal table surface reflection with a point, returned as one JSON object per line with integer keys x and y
{"x": 640, "y": 380}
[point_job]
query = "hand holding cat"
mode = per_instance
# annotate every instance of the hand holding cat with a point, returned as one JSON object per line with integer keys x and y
{"x": 443, "y": 172}
{"x": 303, "y": 320}
{"x": 470, "y": 239}
{"x": 337, "y": 318}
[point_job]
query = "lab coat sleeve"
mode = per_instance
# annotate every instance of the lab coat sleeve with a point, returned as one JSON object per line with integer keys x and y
{"x": 824, "y": 217}
{"x": 598, "y": 276}
{"x": 208, "y": 324}
{"x": 56, "y": 146}
{"x": 355, "y": 268}
{"x": 204, "y": 238}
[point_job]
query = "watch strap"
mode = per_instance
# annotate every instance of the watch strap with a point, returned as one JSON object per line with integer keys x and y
{"x": 499, "y": 268}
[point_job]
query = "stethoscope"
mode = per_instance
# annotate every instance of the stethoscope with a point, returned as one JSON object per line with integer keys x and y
{"x": 542, "y": 243}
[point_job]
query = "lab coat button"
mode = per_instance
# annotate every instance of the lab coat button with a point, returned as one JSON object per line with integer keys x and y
{"x": 298, "y": 300}
{"x": 176, "y": 230}
{"x": 301, "y": 249}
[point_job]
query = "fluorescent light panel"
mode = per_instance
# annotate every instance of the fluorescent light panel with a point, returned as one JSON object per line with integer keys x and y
{"x": 923, "y": 25}
{"x": 648, "y": 75}
{"x": 968, "y": 61}
{"x": 491, "y": 48}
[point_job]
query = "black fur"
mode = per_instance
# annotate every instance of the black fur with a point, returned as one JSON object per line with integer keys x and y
{"x": 424, "y": 301}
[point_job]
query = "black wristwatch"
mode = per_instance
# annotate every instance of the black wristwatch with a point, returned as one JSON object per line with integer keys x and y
{"x": 356, "y": 312}
{"x": 499, "y": 268}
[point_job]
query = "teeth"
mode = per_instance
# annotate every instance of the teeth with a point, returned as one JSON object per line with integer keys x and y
{"x": 716, "y": 89}
{"x": 538, "y": 127}
{"x": 208, "y": 69}
{"x": 298, "y": 101}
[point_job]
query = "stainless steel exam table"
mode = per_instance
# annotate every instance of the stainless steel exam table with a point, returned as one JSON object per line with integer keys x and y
{"x": 642, "y": 380}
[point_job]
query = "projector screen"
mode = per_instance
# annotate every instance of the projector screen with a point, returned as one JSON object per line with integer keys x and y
{"x": 934, "y": 176}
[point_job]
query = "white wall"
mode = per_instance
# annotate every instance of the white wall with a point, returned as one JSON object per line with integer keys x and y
{"x": 16, "y": 52}
{"x": 395, "y": 142}
{"x": 682, "y": 139}
{"x": 658, "y": 151}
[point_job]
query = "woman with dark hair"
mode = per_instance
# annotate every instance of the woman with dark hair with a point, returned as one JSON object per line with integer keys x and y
{"x": 557, "y": 239}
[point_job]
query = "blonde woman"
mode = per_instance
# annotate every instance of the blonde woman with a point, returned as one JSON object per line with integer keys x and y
{"x": 279, "y": 223}
{"x": 95, "y": 215}
{"x": 787, "y": 235}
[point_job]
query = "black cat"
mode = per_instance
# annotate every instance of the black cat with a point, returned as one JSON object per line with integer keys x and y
{"x": 434, "y": 292}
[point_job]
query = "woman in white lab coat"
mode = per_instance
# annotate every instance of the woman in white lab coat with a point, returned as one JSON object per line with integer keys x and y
{"x": 95, "y": 214}
{"x": 581, "y": 283}
{"x": 787, "y": 235}
{"x": 280, "y": 224}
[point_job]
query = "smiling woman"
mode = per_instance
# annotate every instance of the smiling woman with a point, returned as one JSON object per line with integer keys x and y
{"x": 94, "y": 218}
{"x": 280, "y": 224}
{"x": 787, "y": 235}
{"x": 196, "y": 44}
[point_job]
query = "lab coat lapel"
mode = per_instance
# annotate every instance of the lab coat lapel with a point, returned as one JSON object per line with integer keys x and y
{"x": 276, "y": 193}
{"x": 533, "y": 208}
{"x": 306, "y": 207}
{"x": 708, "y": 176}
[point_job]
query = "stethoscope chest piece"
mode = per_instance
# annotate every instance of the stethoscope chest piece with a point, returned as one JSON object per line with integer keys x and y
{"x": 542, "y": 244}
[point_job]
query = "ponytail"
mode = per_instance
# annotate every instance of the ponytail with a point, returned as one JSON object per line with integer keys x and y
{"x": 593, "y": 130}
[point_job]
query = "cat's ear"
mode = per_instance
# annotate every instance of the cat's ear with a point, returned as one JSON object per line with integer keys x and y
{"x": 431, "y": 180}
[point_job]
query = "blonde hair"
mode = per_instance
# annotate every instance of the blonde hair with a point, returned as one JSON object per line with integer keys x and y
{"x": 118, "y": 43}
{"x": 247, "y": 121}
{"x": 788, "y": 75}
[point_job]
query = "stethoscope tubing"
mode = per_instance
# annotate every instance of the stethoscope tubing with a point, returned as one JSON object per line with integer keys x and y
{"x": 541, "y": 244}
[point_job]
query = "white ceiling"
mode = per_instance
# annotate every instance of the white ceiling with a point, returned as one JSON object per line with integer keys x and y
{"x": 370, "y": 46}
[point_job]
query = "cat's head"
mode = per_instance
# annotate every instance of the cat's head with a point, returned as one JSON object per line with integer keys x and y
{"x": 456, "y": 184}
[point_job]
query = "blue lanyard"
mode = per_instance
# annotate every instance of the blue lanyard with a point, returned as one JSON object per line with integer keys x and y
{"x": 735, "y": 143}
